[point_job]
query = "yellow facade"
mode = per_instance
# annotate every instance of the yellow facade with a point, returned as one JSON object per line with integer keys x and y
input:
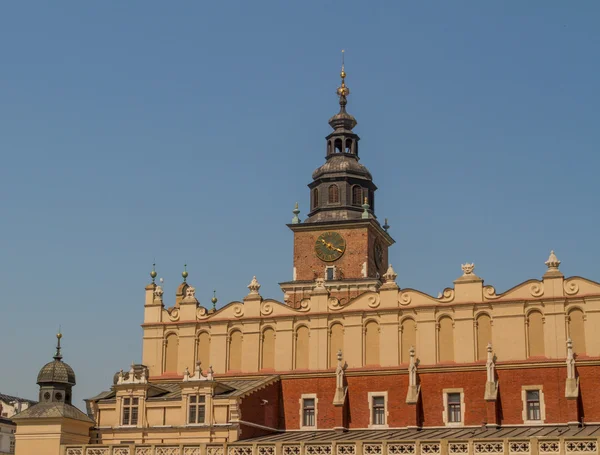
{"x": 376, "y": 329}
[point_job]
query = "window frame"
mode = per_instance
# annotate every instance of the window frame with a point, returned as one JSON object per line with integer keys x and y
{"x": 447, "y": 407}
{"x": 334, "y": 190}
{"x": 129, "y": 404}
{"x": 198, "y": 403}
{"x": 371, "y": 397}
{"x": 541, "y": 401}
{"x": 309, "y": 396}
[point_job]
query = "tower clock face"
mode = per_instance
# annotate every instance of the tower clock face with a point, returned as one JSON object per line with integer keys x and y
{"x": 378, "y": 254}
{"x": 330, "y": 246}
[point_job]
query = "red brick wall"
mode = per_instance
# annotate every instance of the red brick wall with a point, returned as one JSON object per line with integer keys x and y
{"x": 253, "y": 410}
{"x": 359, "y": 248}
{"x": 307, "y": 263}
{"x": 400, "y": 414}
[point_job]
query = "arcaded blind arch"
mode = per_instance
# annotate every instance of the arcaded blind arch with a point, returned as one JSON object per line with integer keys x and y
{"x": 268, "y": 349}
{"x": 446, "y": 340}
{"x": 171, "y": 352}
{"x": 484, "y": 335}
{"x": 235, "y": 351}
{"x": 535, "y": 334}
{"x": 372, "y": 343}
{"x": 577, "y": 330}
{"x": 203, "y": 350}
{"x": 302, "y": 348}
{"x": 408, "y": 338}
{"x": 336, "y": 343}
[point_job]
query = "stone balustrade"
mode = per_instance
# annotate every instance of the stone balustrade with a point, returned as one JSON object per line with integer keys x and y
{"x": 531, "y": 446}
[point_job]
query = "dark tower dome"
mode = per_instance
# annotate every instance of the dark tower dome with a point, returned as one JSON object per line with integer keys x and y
{"x": 56, "y": 371}
{"x": 341, "y": 186}
{"x": 56, "y": 379}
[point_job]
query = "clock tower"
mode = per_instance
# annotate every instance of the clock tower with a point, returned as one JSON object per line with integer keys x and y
{"x": 341, "y": 241}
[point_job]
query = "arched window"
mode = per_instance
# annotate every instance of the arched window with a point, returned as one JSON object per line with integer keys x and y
{"x": 302, "y": 348}
{"x": 268, "y": 349}
{"x": 235, "y": 351}
{"x": 408, "y": 338}
{"x": 338, "y": 145}
{"x": 171, "y": 351}
{"x": 334, "y": 194}
{"x": 372, "y": 343}
{"x": 203, "y": 350}
{"x": 315, "y": 198}
{"x": 484, "y": 335}
{"x": 336, "y": 343}
{"x": 577, "y": 330}
{"x": 535, "y": 334}
{"x": 329, "y": 148}
{"x": 357, "y": 195}
{"x": 446, "y": 340}
{"x": 348, "y": 146}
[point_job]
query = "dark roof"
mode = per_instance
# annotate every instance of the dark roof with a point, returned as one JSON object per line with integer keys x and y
{"x": 50, "y": 410}
{"x": 56, "y": 371}
{"x": 6, "y": 421}
{"x": 172, "y": 390}
{"x": 432, "y": 434}
{"x": 10, "y": 399}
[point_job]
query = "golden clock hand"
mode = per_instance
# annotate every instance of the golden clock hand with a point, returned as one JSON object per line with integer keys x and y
{"x": 338, "y": 249}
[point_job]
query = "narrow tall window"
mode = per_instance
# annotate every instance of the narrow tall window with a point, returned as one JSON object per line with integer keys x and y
{"x": 130, "y": 411}
{"x": 330, "y": 273}
{"x": 315, "y": 198}
{"x": 454, "y": 414}
{"x": 533, "y": 405}
{"x": 357, "y": 195}
{"x": 308, "y": 412}
{"x": 197, "y": 409}
{"x": 378, "y": 409}
{"x": 334, "y": 194}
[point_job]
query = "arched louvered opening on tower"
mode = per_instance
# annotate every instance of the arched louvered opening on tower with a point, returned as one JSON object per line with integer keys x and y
{"x": 333, "y": 194}
{"x": 349, "y": 148}
{"x": 315, "y": 198}
{"x": 357, "y": 195}
{"x": 338, "y": 145}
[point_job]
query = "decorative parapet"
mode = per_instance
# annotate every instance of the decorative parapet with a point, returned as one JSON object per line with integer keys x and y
{"x": 131, "y": 378}
{"x": 511, "y": 446}
{"x": 198, "y": 374}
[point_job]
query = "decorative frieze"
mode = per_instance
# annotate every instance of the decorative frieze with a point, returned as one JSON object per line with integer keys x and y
{"x": 345, "y": 449}
{"x": 317, "y": 449}
{"x": 548, "y": 447}
{"x": 373, "y": 449}
{"x": 239, "y": 450}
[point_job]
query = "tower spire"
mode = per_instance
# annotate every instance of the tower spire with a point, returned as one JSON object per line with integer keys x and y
{"x": 343, "y": 91}
{"x": 58, "y": 355}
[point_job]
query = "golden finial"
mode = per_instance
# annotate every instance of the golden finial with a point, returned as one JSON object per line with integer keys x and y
{"x": 342, "y": 90}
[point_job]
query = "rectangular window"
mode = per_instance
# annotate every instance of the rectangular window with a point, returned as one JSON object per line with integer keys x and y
{"x": 11, "y": 448}
{"x": 130, "y": 411}
{"x": 197, "y": 409}
{"x": 454, "y": 414}
{"x": 378, "y": 408}
{"x": 533, "y": 405}
{"x": 308, "y": 412}
{"x": 330, "y": 273}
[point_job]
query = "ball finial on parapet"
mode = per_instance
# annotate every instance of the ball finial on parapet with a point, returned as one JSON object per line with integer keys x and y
{"x": 184, "y": 274}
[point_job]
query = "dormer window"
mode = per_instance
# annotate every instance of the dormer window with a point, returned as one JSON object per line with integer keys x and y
{"x": 130, "y": 411}
{"x": 196, "y": 409}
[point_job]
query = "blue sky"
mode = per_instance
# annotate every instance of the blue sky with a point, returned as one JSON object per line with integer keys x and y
{"x": 186, "y": 131}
